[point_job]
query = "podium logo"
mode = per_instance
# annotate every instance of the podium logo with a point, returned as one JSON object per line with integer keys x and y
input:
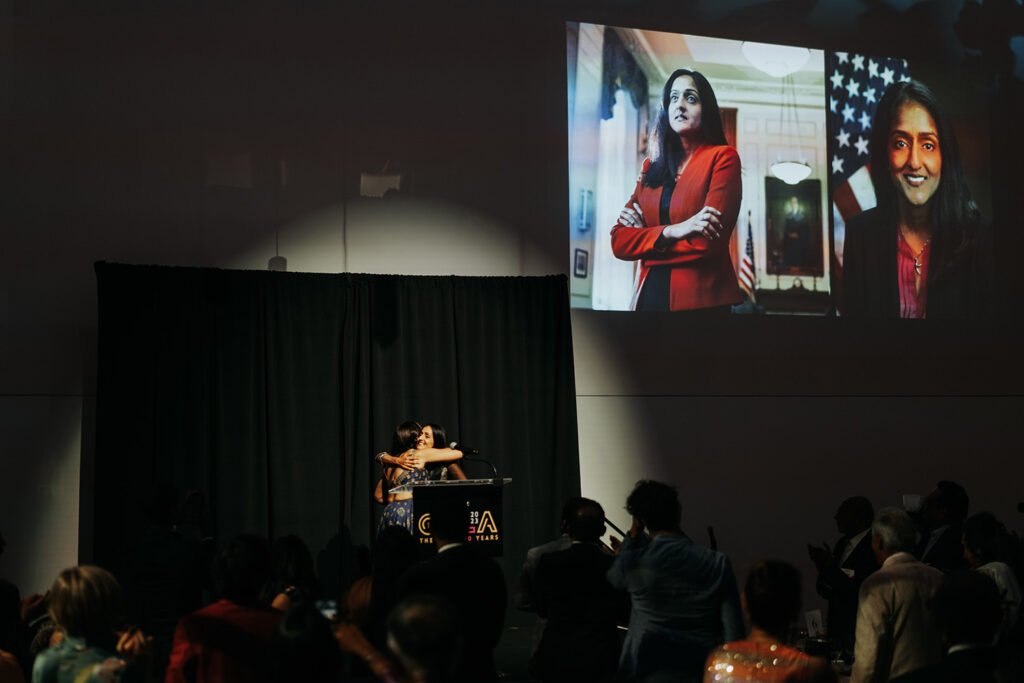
{"x": 424, "y": 524}
{"x": 487, "y": 525}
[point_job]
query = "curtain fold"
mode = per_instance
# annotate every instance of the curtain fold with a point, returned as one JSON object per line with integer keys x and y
{"x": 270, "y": 393}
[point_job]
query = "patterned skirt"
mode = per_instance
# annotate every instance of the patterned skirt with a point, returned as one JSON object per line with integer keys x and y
{"x": 397, "y": 513}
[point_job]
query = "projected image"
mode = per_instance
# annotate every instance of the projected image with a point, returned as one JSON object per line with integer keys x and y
{"x": 696, "y": 169}
{"x": 910, "y": 187}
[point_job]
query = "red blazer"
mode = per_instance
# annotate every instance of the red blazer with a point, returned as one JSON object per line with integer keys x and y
{"x": 702, "y": 272}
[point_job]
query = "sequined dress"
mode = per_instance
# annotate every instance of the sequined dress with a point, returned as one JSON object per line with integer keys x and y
{"x": 749, "y": 661}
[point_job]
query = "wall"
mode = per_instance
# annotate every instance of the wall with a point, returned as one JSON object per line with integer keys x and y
{"x": 765, "y": 425}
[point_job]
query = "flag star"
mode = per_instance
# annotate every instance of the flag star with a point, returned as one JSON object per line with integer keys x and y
{"x": 852, "y": 87}
{"x": 861, "y": 145}
{"x": 904, "y": 78}
{"x": 837, "y": 164}
{"x": 869, "y": 95}
{"x": 832, "y": 104}
{"x": 848, "y": 113}
{"x": 872, "y": 68}
{"x": 865, "y": 121}
{"x": 858, "y": 62}
{"x": 843, "y": 138}
{"x": 887, "y": 75}
{"x": 843, "y": 57}
{"x": 837, "y": 80}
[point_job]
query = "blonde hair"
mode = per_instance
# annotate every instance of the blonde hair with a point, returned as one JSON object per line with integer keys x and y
{"x": 87, "y": 602}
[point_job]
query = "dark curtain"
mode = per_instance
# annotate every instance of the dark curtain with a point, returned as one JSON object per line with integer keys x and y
{"x": 270, "y": 393}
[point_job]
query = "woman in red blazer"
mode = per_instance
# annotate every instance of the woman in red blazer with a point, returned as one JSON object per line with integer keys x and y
{"x": 678, "y": 221}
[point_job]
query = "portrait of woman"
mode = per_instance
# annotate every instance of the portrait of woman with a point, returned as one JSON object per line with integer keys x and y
{"x": 678, "y": 221}
{"x": 408, "y": 462}
{"x": 918, "y": 253}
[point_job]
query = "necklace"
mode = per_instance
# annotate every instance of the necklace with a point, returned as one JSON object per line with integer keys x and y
{"x": 918, "y": 263}
{"x": 917, "y": 258}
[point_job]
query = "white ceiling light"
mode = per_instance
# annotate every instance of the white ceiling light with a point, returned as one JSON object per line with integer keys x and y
{"x": 790, "y": 172}
{"x": 793, "y": 167}
{"x": 776, "y": 60}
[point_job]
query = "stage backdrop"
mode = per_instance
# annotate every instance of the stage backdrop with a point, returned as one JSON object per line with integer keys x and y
{"x": 271, "y": 392}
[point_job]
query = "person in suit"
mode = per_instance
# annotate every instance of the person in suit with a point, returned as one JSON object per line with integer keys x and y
{"x": 526, "y": 591}
{"x": 470, "y": 581}
{"x": 581, "y": 637}
{"x": 896, "y": 635}
{"x": 942, "y": 515}
{"x": 842, "y": 571}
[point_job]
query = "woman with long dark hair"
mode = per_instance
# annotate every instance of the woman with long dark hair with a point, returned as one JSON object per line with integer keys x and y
{"x": 678, "y": 221}
{"x": 917, "y": 253}
{"x": 407, "y": 464}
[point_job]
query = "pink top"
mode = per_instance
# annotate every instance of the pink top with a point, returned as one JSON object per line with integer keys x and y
{"x": 913, "y": 302}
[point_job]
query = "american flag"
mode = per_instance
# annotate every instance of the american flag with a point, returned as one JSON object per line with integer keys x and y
{"x": 855, "y": 85}
{"x": 748, "y": 278}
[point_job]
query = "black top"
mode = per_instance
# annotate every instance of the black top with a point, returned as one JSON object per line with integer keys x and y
{"x": 871, "y": 282}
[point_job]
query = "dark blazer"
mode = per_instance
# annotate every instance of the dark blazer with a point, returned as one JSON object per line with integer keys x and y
{"x": 581, "y": 638}
{"x": 475, "y": 584}
{"x": 841, "y": 590}
{"x": 871, "y": 283}
{"x": 948, "y": 552}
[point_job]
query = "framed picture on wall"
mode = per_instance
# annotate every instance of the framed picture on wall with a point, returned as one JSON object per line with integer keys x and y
{"x": 794, "y": 228}
{"x": 581, "y": 263}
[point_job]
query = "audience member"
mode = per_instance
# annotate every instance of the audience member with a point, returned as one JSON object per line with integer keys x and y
{"x": 525, "y": 592}
{"x": 87, "y": 605}
{"x": 968, "y": 610}
{"x": 771, "y": 600}
{"x": 229, "y": 641}
{"x": 942, "y": 515}
{"x": 986, "y": 549}
{"x": 394, "y": 553}
{"x": 425, "y": 636}
{"x": 896, "y": 631}
{"x": 13, "y": 651}
{"x": 292, "y": 577}
{"x": 684, "y": 596}
{"x": 581, "y": 637}
{"x": 472, "y": 582}
{"x": 163, "y": 579}
{"x": 841, "y": 571}
{"x": 303, "y": 647}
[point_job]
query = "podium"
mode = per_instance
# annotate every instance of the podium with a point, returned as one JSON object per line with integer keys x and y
{"x": 482, "y": 498}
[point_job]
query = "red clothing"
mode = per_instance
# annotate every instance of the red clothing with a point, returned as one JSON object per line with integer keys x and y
{"x": 223, "y": 643}
{"x": 702, "y": 272}
{"x": 913, "y": 302}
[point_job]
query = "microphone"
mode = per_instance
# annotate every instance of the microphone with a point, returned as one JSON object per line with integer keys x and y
{"x": 473, "y": 451}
